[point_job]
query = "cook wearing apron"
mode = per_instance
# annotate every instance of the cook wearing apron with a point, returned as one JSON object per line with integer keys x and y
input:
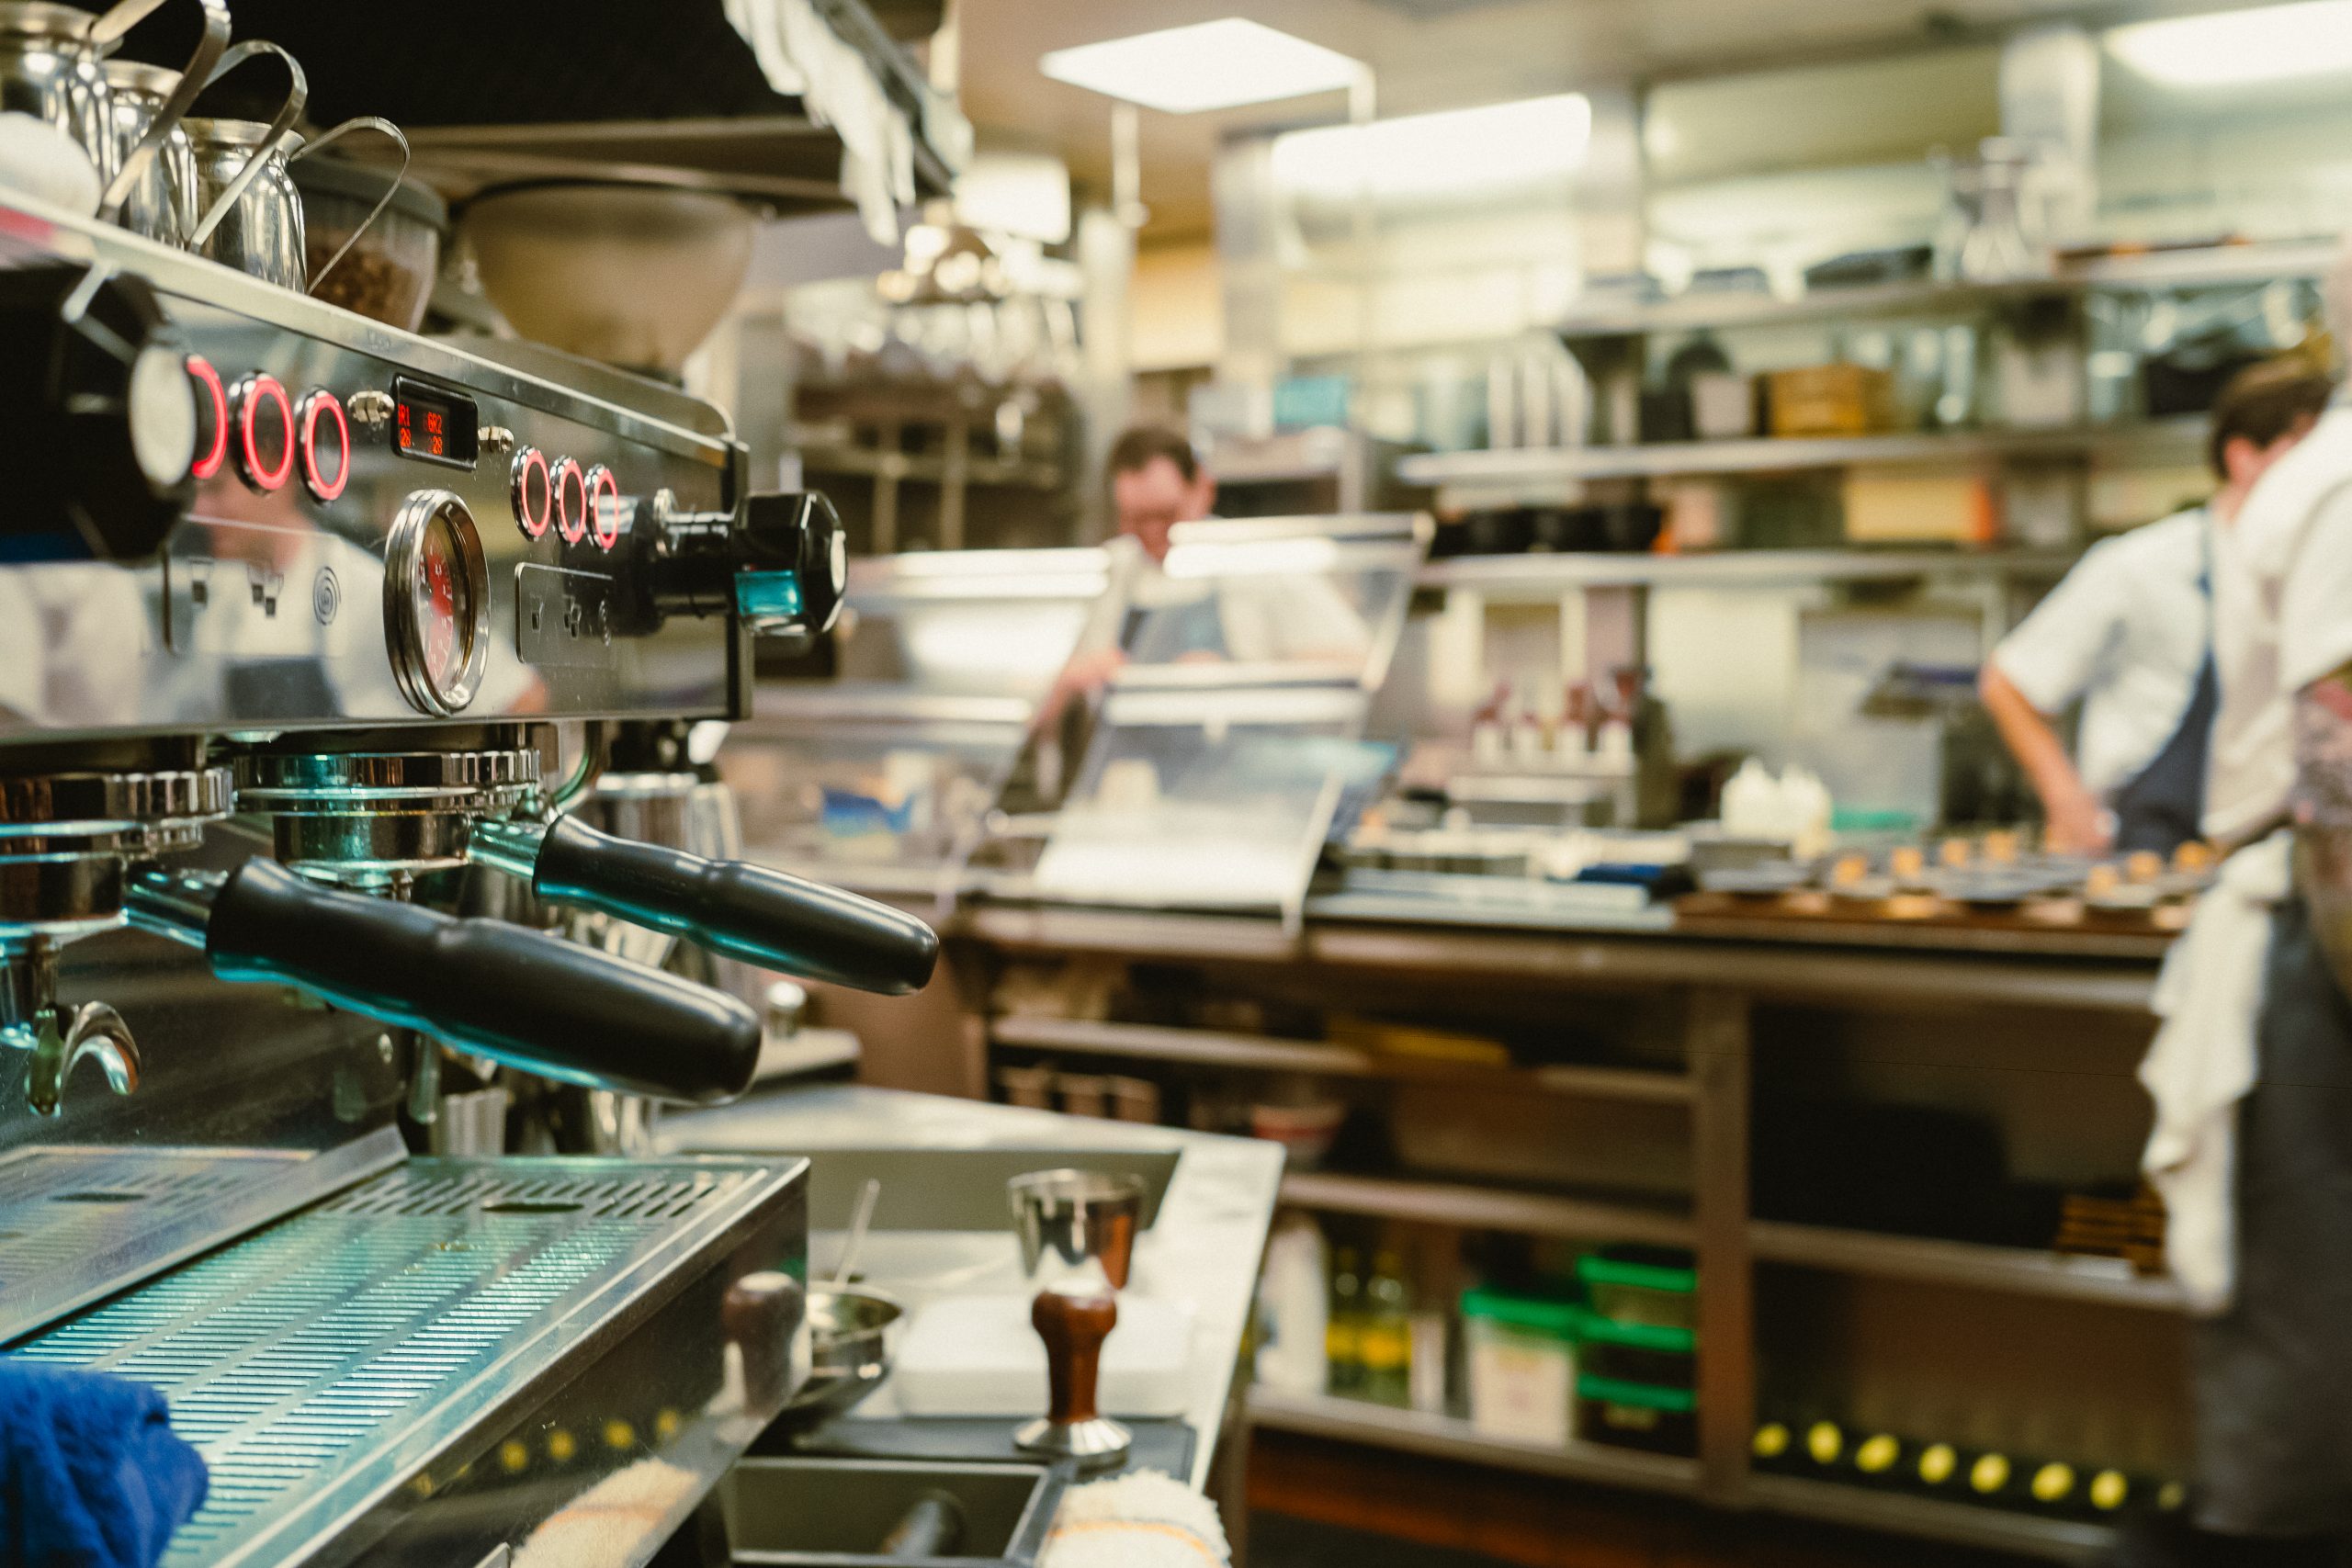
{"x": 2258, "y": 1177}
{"x": 2125, "y": 635}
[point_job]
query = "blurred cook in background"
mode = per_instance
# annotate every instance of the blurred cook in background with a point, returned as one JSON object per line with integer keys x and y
{"x": 2251, "y": 1070}
{"x": 2129, "y": 636}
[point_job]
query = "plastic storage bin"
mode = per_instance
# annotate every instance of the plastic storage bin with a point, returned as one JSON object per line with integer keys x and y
{"x": 1637, "y": 1415}
{"x": 1521, "y": 1355}
{"x": 1651, "y": 1285}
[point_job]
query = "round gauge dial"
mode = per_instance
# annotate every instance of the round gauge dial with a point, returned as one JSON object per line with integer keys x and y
{"x": 437, "y": 602}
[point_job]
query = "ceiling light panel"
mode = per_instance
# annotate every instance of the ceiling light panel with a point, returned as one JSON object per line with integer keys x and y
{"x": 1209, "y": 65}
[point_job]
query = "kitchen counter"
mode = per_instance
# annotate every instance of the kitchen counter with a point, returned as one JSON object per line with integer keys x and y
{"x": 1204, "y": 1247}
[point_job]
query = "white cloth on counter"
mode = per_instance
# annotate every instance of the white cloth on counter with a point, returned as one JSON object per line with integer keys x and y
{"x": 2204, "y": 1060}
{"x": 2283, "y": 579}
{"x": 1143, "y": 1519}
{"x": 2124, "y": 633}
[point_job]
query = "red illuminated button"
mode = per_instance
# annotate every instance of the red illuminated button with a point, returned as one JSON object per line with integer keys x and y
{"x": 570, "y": 489}
{"x": 531, "y": 490}
{"x": 605, "y": 506}
{"x": 211, "y": 418}
{"x": 326, "y": 444}
{"x": 265, "y": 420}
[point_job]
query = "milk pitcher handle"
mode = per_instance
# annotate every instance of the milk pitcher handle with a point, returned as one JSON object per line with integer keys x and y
{"x": 298, "y": 97}
{"x": 359, "y": 122}
{"x": 106, "y": 35}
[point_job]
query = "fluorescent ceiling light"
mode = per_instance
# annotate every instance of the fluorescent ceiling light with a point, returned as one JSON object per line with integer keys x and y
{"x": 1496, "y": 146}
{"x": 1209, "y": 65}
{"x": 2234, "y": 48}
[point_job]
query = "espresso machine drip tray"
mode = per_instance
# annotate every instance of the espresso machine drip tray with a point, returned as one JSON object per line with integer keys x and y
{"x": 79, "y": 1221}
{"x": 347, "y": 1366}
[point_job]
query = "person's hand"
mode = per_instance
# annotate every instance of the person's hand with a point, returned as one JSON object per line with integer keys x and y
{"x": 1093, "y": 670}
{"x": 1085, "y": 674}
{"x": 2076, "y": 824}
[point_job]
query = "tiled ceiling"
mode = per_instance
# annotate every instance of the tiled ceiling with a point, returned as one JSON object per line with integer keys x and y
{"x": 1433, "y": 54}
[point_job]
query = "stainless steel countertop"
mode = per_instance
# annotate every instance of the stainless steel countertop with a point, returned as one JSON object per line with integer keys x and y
{"x": 1204, "y": 1248}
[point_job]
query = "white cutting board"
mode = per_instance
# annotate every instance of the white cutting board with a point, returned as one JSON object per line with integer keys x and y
{"x": 978, "y": 1356}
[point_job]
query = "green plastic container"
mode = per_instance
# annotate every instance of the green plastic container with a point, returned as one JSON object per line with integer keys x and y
{"x": 1637, "y": 1415}
{"x": 1631, "y": 1290}
{"x": 1651, "y": 1353}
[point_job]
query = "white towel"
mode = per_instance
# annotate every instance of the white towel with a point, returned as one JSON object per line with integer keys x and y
{"x": 1143, "y": 1519}
{"x": 2204, "y": 1062}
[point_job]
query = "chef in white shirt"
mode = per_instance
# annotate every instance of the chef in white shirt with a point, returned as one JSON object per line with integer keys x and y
{"x": 2251, "y": 1071}
{"x": 2127, "y": 635}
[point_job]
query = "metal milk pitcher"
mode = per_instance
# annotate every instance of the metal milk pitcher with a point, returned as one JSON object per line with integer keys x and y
{"x": 53, "y": 67}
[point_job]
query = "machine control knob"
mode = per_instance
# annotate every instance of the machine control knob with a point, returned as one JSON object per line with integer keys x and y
{"x": 326, "y": 444}
{"x": 262, "y": 417}
{"x": 370, "y": 410}
{"x": 782, "y": 568}
{"x": 98, "y": 418}
{"x": 792, "y": 562}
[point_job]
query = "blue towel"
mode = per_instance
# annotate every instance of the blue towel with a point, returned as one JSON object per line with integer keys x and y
{"x": 91, "y": 1475}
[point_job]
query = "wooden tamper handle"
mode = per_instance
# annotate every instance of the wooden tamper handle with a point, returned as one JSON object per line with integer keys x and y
{"x": 1073, "y": 1328}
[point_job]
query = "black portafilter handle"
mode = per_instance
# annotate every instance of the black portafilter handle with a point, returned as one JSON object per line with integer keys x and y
{"x": 521, "y": 997}
{"x": 732, "y": 908}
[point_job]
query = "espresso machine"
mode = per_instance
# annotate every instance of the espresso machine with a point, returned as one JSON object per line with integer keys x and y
{"x": 296, "y": 613}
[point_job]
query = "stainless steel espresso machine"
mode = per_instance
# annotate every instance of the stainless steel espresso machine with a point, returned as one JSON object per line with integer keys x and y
{"x": 292, "y": 608}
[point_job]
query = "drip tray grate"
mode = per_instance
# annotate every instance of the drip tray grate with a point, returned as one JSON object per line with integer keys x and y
{"x": 80, "y": 1222}
{"x": 309, "y": 1362}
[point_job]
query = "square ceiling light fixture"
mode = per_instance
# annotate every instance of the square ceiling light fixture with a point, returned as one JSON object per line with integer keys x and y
{"x": 1208, "y": 65}
{"x": 2235, "y": 49}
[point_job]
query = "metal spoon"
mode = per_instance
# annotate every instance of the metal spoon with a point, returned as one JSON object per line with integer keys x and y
{"x": 866, "y": 1199}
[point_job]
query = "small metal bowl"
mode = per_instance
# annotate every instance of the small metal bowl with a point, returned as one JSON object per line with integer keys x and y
{"x": 851, "y": 1340}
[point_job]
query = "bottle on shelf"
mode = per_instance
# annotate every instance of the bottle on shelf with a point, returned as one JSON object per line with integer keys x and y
{"x": 1881, "y": 1461}
{"x": 1294, "y": 1309}
{"x": 1937, "y": 1470}
{"x": 1342, "y": 1333}
{"x": 1385, "y": 1336}
{"x": 1996, "y": 1478}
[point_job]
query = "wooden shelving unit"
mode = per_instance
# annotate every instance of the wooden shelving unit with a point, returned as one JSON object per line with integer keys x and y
{"x": 1967, "y": 1264}
{"x": 1725, "y": 993}
{"x": 1997, "y": 1530}
{"x": 1210, "y": 1048}
{"x": 1447, "y": 1437}
{"x": 1487, "y": 1208}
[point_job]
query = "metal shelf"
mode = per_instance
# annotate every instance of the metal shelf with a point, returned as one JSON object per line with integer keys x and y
{"x": 1970, "y": 1265}
{"x": 1210, "y": 1048}
{"x": 1546, "y": 576}
{"x": 1487, "y": 1208}
{"x": 1502, "y": 470}
{"x": 2061, "y": 1540}
{"x": 929, "y": 469}
{"x": 1446, "y": 1436}
{"x": 2206, "y": 267}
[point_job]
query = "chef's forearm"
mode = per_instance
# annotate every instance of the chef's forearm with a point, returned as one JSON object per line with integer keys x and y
{"x": 2032, "y": 739}
{"x": 2323, "y": 815}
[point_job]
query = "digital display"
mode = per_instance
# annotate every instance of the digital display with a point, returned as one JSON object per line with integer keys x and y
{"x": 434, "y": 426}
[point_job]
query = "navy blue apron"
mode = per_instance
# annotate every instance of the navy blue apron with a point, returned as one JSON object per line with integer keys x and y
{"x": 2272, "y": 1377}
{"x": 2162, "y": 805}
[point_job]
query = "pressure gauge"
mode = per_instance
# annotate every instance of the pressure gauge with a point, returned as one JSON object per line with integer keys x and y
{"x": 437, "y": 602}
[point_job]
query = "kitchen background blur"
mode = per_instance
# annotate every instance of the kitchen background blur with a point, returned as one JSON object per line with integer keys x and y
{"x": 1696, "y": 1080}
